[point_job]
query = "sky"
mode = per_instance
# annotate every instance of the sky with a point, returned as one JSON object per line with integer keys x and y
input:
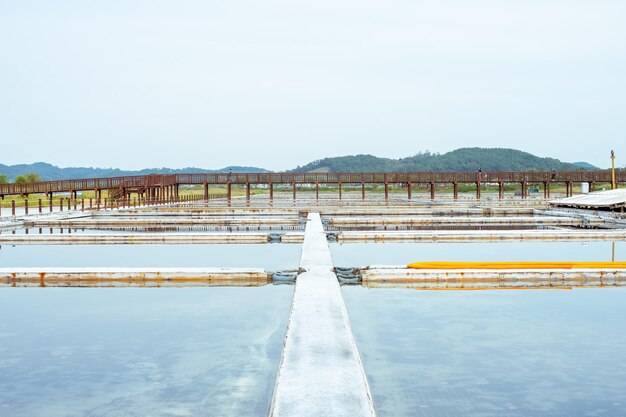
{"x": 277, "y": 83}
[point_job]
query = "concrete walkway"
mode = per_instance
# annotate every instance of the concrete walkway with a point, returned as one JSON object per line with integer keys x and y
{"x": 320, "y": 372}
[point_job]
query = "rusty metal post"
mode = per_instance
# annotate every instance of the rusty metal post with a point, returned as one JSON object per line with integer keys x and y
{"x": 386, "y": 191}
{"x": 293, "y": 187}
{"x": 570, "y": 189}
{"x": 248, "y": 193}
{"x": 12, "y": 207}
{"x": 455, "y": 190}
{"x": 524, "y": 190}
{"x": 206, "y": 191}
{"x": 271, "y": 192}
{"x": 50, "y": 204}
{"x": 339, "y": 190}
{"x": 317, "y": 190}
{"x": 26, "y": 206}
{"x": 90, "y": 204}
{"x": 408, "y": 190}
{"x": 82, "y": 204}
{"x": 362, "y": 190}
{"x": 500, "y": 190}
{"x": 229, "y": 192}
{"x": 75, "y": 203}
{"x": 545, "y": 189}
{"x": 432, "y": 190}
{"x": 477, "y": 190}
{"x": 61, "y": 203}
{"x": 69, "y": 202}
{"x": 40, "y": 206}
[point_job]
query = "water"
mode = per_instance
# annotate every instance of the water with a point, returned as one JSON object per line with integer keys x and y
{"x": 361, "y": 254}
{"x": 492, "y": 353}
{"x": 271, "y": 257}
{"x": 70, "y": 352}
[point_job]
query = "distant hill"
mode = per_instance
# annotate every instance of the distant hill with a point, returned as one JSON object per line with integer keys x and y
{"x": 464, "y": 159}
{"x": 51, "y": 172}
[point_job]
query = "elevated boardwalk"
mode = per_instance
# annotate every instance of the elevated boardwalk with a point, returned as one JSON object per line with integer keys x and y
{"x": 165, "y": 187}
{"x": 320, "y": 372}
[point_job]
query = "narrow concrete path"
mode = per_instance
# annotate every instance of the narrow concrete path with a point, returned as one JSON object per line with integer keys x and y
{"x": 320, "y": 372}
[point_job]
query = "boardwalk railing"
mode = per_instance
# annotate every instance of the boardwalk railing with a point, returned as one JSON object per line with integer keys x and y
{"x": 164, "y": 186}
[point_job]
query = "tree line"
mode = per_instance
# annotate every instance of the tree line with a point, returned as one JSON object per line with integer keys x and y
{"x": 21, "y": 179}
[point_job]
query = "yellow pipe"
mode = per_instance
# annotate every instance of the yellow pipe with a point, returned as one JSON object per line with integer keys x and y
{"x": 517, "y": 265}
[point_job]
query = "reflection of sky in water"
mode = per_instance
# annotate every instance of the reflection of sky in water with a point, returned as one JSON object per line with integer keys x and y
{"x": 140, "y": 352}
{"x": 268, "y": 256}
{"x": 361, "y": 254}
{"x": 492, "y": 353}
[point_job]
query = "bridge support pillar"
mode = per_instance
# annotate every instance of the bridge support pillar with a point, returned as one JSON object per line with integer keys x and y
{"x": 271, "y": 192}
{"x": 386, "y": 191}
{"x": 478, "y": 191}
{"x": 248, "y": 193}
{"x": 205, "y": 186}
{"x": 432, "y": 190}
{"x": 408, "y": 190}
{"x": 317, "y": 191}
{"x": 293, "y": 187}
{"x": 569, "y": 189}
{"x": 363, "y": 190}
{"x": 339, "y": 190}
{"x": 524, "y": 189}
{"x": 500, "y": 190}
{"x": 229, "y": 192}
{"x": 455, "y": 190}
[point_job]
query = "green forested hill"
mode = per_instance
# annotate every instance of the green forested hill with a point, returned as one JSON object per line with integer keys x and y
{"x": 464, "y": 159}
{"x": 52, "y": 172}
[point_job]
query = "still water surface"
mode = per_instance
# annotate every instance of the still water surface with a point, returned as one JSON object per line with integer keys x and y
{"x": 361, "y": 254}
{"x": 492, "y": 353}
{"x": 67, "y": 352}
{"x": 272, "y": 257}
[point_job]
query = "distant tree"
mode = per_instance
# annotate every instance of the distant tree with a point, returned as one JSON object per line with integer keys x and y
{"x": 33, "y": 177}
{"x": 4, "y": 179}
{"x": 30, "y": 177}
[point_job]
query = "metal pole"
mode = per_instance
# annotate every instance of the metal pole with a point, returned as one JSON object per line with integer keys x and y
{"x": 613, "y": 185}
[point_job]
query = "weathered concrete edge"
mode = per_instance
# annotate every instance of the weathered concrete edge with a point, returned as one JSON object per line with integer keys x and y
{"x": 124, "y": 277}
{"x": 476, "y": 278}
{"x": 145, "y": 238}
{"x": 488, "y": 235}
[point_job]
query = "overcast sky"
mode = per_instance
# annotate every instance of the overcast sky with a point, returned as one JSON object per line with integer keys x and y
{"x": 276, "y": 84}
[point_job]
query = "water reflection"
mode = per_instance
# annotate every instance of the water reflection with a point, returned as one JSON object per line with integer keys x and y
{"x": 360, "y": 254}
{"x": 140, "y": 352}
{"x": 270, "y": 257}
{"x": 492, "y": 353}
